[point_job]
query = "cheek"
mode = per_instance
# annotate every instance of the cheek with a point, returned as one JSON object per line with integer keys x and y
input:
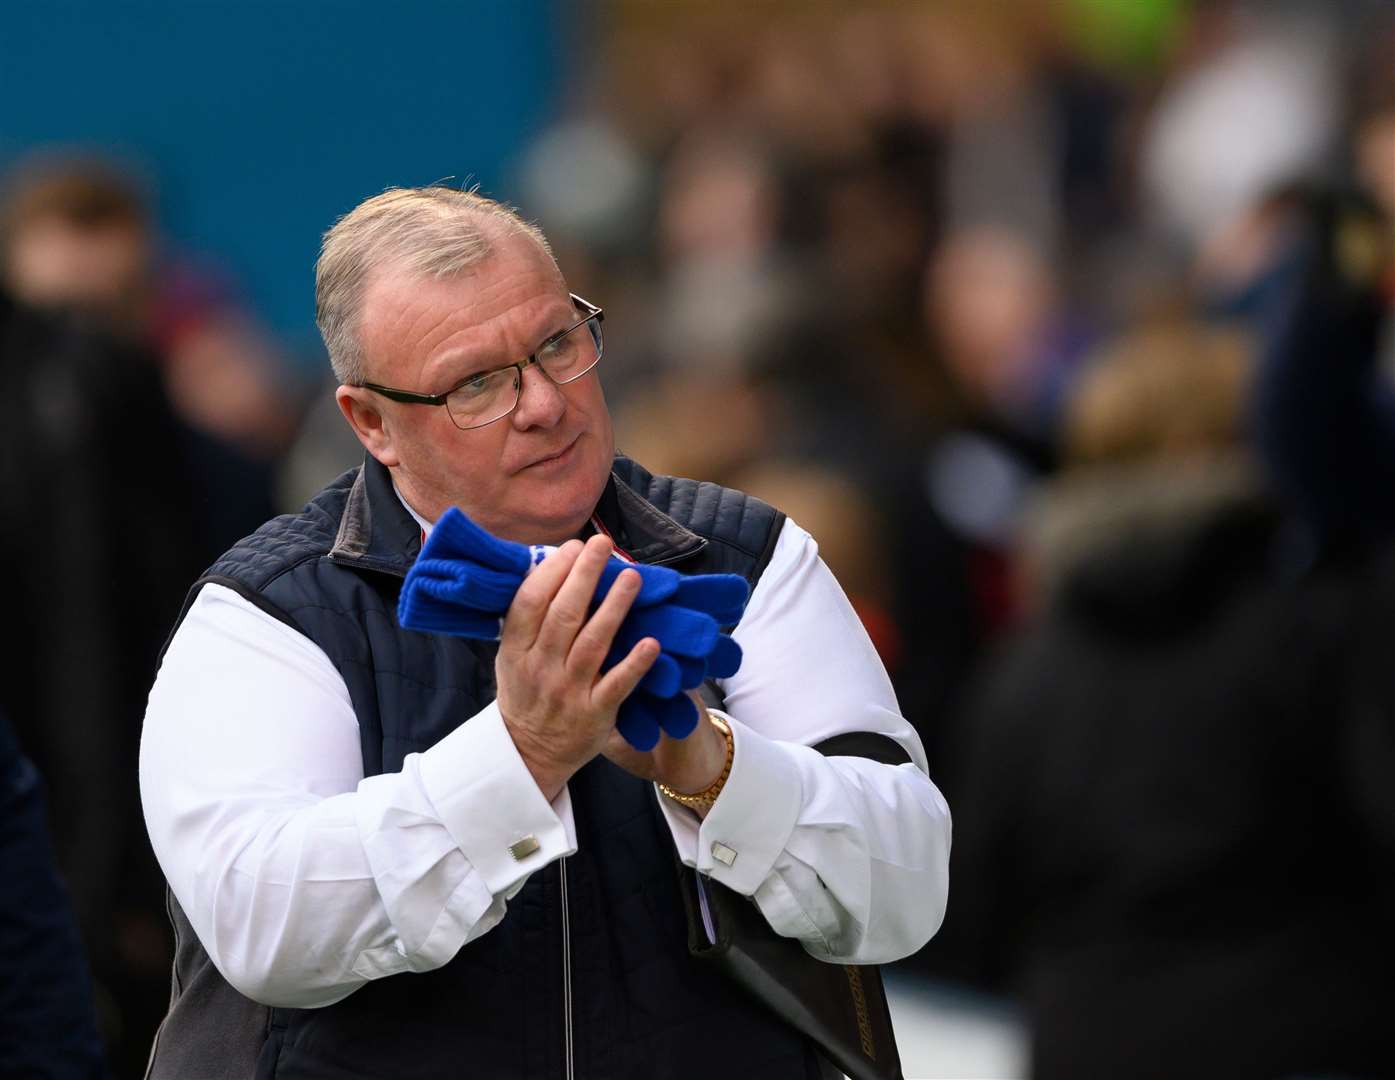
{"x": 592, "y": 403}
{"x": 413, "y": 442}
{"x": 443, "y": 453}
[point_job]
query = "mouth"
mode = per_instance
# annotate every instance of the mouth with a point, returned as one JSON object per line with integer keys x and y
{"x": 559, "y": 459}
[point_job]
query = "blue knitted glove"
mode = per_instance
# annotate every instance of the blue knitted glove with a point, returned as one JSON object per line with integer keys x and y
{"x": 465, "y": 580}
{"x": 456, "y": 538}
{"x": 723, "y": 596}
{"x": 643, "y": 714}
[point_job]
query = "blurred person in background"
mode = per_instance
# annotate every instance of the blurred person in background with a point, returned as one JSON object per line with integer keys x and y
{"x": 725, "y": 294}
{"x": 150, "y": 421}
{"x": 1324, "y": 407}
{"x": 1325, "y": 404}
{"x": 851, "y": 531}
{"x": 991, "y": 310}
{"x": 993, "y": 360}
{"x": 48, "y": 1028}
{"x": 1160, "y": 846}
{"x": 97, "y": 507}
{"x": 77, "y": 236}
{"x": 788, "y": 260}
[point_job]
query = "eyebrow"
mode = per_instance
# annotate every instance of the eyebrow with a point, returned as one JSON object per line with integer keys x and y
{"x": 563, "y": 324}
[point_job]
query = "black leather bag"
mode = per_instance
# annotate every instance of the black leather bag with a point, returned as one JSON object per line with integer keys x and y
{"x": 841, "y": 1007}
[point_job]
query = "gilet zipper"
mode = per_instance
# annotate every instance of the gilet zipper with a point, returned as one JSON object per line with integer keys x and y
{"x": 566, "y": 977}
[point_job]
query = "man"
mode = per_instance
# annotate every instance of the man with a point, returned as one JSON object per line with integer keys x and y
{"x": 402, "y": 854}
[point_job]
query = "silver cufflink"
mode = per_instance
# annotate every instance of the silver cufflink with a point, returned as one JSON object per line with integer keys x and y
{"x": 521, "y": 849}
{"x": 723, "y": 854}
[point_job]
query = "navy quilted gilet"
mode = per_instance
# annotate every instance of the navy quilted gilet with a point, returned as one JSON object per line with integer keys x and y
{"x": 639, "y": 1007}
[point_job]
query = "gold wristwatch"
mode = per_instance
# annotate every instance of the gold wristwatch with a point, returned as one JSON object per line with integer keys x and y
{"x": 702, "y": 800}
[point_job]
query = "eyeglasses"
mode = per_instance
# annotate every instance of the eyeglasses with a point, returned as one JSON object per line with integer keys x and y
{"x": 487, "y": 396}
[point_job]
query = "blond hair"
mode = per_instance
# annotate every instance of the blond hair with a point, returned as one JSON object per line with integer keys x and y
{"x": 1160, "y": 392}
{"x": 430, "y": 232}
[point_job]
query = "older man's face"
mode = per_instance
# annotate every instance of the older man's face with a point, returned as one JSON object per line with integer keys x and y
{"x": 533, "y": 476}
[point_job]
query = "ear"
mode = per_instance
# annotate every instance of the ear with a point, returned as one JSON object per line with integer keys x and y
{"x": 363, "y": 410}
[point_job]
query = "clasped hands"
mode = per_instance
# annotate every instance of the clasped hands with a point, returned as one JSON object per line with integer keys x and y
{"x": 594, "y": 655}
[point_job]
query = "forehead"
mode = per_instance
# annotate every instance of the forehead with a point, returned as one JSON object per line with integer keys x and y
{"x": 503, "y": 305}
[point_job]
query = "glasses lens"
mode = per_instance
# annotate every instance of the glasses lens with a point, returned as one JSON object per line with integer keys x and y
{"x": 574, "y": 353}
{"x": 484, "y": 398}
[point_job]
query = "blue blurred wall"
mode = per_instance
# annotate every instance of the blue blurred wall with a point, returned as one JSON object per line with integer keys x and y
{"x": 260, "y": 122}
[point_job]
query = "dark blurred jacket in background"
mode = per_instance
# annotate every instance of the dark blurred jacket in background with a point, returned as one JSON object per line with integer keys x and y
{"x": 98, "y": 527}
{"x": 1160, "y": 848}
{"x": 47, "y": 1024}
{"x": 1177, "y": 840}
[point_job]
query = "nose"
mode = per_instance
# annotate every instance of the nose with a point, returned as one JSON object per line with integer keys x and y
{"x": 541, "y": 401}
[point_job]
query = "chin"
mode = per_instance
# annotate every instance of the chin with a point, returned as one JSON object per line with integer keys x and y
{"x": 557, "y": 522}
{"x": 564, "y": 507}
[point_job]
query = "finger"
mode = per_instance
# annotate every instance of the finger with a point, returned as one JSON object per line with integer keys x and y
{"x": 681, "y": 631}
{"x": 671, "y": 674}
{"x": 664, "y": 679}
{"x": 638, "y": 726}
{"x": 723, "y": 596}
{"x": 678, "y": 715}
{"x": 566, "y": 614}
{"x": 530, "y": 604}
{"x": 593, "y": 643}
{"x": 657, "y": 583}
{"x": 448, "y": 571}
{"x": 725, "y": 658}
{"x": 421, "y": 612}
{"x": 691, "y": 672}
{"x": 616, "y": 684}
{"x": 467, "y": 584}
{"x": 455, "y": 537}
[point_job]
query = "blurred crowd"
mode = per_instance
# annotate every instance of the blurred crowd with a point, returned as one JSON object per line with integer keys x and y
{"x": 1064, "y": 325}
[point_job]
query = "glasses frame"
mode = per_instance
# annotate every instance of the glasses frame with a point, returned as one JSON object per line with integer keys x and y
{"x": 412, "y": 397}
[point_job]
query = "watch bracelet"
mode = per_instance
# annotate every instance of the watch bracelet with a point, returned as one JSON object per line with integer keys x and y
{"x": 698, "y": 800}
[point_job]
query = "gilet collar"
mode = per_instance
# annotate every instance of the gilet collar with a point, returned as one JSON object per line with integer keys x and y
{"x": 378, "y": 533}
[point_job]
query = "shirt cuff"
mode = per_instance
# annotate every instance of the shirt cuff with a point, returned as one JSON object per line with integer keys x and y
{"x": 491, "y": 806}
{"x": 750, "y": 823}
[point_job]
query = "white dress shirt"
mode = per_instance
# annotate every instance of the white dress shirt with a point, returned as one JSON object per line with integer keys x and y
{"x": 304, "y": 879}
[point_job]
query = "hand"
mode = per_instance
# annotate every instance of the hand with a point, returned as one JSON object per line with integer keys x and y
{"x": 686, "y": 765}
{"x": 558, "y": 708}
